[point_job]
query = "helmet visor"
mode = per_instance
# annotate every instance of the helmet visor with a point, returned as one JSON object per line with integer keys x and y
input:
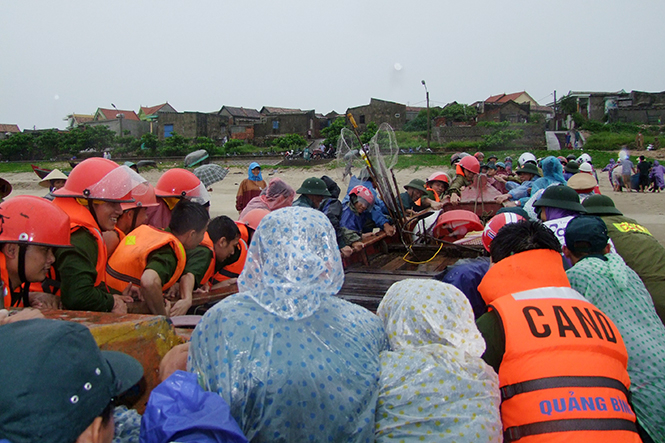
{"x": 117, "y": 186}
{"x": 198, "y": 195}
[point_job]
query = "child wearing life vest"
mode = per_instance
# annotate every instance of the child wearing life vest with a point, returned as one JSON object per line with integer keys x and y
{"x": 155, "y": 260}
{"x": 174, "y": 185}
{"x": 30, "y": 229}
{"x": 467, "y": 169}
{"x": 91, "y": 197}
{"x": 228, "y": 269}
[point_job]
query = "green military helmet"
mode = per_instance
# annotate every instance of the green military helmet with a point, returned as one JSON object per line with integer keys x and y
{"x": 600, "y": 205}
{"x": 314, "y": 186}
{"x": 563, "y": 197}
{"x": 416, "y": 183}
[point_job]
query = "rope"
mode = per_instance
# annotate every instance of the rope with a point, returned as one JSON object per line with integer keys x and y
{"x": 422, "y": 262}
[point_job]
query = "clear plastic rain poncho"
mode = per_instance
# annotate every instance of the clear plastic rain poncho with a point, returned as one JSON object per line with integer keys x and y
{"x": 294, "y": 362}
{"x": 434, "y": 386}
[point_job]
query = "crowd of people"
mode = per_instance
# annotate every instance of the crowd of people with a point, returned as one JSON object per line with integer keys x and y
{"x": 555, "y": 334}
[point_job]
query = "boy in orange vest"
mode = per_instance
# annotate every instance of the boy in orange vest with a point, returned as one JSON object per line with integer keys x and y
{"x": 155, "y": 260}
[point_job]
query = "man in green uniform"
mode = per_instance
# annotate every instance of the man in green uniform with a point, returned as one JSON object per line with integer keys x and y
{"x": 635, "y": 244}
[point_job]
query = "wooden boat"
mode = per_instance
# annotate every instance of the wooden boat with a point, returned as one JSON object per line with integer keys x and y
{"x": 41, "y": 172}
{"x": 147, "y": 338}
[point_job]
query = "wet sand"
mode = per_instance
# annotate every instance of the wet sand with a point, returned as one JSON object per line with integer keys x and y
{"x": 647, "y": 208}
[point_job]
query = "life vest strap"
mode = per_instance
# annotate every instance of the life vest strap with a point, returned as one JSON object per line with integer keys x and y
{"x": 510, "y": 391}
{"x": 123, "y": 277}
{"x": 582, "y": 424}
{"x": 229, "y": 274}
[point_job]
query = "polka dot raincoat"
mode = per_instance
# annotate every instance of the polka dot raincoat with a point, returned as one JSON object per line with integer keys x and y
{"x": 434, "y": 386}
{"x": 294, "y": 362}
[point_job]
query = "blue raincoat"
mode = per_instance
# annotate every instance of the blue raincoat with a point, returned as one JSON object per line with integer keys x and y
{"x": 294, "y": 362}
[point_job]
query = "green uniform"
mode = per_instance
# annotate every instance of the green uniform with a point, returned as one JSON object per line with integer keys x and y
{"x": 456, "y": 186}
{"x": 198, "y": 261}
{"x": 77, "y": 273}
{"x": 164, "y": 262}
{"x": 642, "y": 253}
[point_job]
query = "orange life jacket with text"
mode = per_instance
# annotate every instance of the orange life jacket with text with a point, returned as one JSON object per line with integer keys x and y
{"x": 563, "y": 375}
{"x": 130, "y": 258}
{"x": 207, "y": 242}
{"x": 81, "y": 218}
{"x": 234, "y": 269}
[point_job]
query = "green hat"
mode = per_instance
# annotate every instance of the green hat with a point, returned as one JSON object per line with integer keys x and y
{"x": 573, "y": 167}
{"x": 314, "y": 186}
{"x": 56, "y": 381}
{"x": 563, "y": 197}
{"x": 600, "y": 205}
{"x": 586, "y": 233}
{"x": 529, "y": 168}
{"x": 416, "y": 183}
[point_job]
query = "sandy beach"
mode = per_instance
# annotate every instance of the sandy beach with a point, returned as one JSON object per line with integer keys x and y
{"x": 646, "y": 208}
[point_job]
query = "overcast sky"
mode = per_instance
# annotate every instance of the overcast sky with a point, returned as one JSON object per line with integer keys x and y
{"x": 58, "y": 58}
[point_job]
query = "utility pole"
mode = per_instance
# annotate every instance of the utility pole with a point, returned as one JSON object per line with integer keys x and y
{"x": 556, "y": 120}
{"x": 428, "y": 119}
{"x": 119, "y": 116}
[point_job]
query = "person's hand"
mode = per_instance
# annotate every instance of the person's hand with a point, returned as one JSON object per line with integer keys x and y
{"x": 167, "y": 307}
{"x": 435, "y": 205}
{"x": 502, "y": 198}
{"x": 44, "y": 300}
{"x": 357, "y": 246}
{"x": 131, "y": 293}
{"x": 180, "y": 307}
{"x": 119, "y": 305}
{"x": 23, "y": 314}
{"x": 510, "y": 204}
{"x": 455, "y": 199}
{"x": 174, "y": 360}
{"x": 173, "y": 293}
{"x": 389, "y": 229}
{"x": 346, "y": 251}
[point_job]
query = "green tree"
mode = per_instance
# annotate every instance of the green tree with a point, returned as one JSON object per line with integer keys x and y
{"x": 459, "y": 112}
{"x": 206, "y": 143}
{"x": 149, "y": 142}
{"x": 370, "y": 130}
{"x": 289, "y": 141}
{"x": 331, "y": 133}
{"x": 17, "y": 147}
{"x": 79, "y": 139}
{"x": 175, "y": 146}
{"x": 48, "y": 144}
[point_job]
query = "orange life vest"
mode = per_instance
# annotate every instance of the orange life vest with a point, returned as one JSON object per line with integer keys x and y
{"x": 6, "y": 288}
{"x": 563, "y": 375}
{"x": 234, "y": 269}
{"x": 436, "y": 196}
{"x": 81, "y": 218}
{"x": 129, "y": 260}
{"x": 207, "y": 242}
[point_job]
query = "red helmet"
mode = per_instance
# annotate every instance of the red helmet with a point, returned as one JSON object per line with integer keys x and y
{"x": 253, "y": 218}
{"x": 362, "y": 192}
{"x": 454, "y": 225}
{"x": 144, "y": 197}
{"x": 182, "y": 183}
{"x": 101, "y": 179}
{"x": 438, "y": 176}
{"x": 497, "y": 222}
{"x": 470, "y": 163}
{"x": 31, "y": 220}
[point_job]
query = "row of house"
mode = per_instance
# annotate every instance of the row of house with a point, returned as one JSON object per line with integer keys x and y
{"x": 259, "y": 126}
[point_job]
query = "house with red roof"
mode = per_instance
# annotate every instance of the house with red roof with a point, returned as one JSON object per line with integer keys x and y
{"x": 113, "y": 114}
{"x": 7, "y": 130}
{"x": 515, "y": 107}
{"x": 148, "y": 113}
